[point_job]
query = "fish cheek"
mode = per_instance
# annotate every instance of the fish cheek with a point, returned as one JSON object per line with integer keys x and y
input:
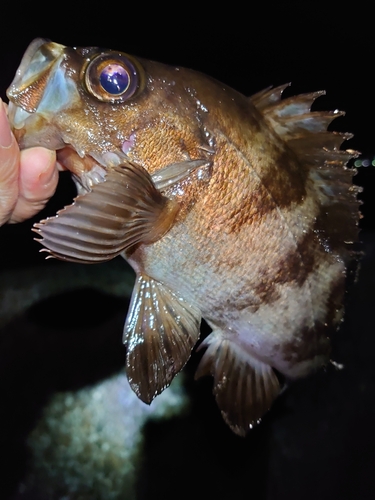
{"x": 166, "y": 143}
{"x": 162, "y": 143}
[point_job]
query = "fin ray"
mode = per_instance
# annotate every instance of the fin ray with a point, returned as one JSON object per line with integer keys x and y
{"x": 304, "y": 131}
{"x": 266, "y": 97}
{"x": 123, "y": 210}
{"x": 244, "y": 387}
{"x": 176, "y": 172}
{"x": 319, "y": 152}
{"x": 313, "y": 122}
{"x": 160, "y": 332}
{"x": 292, "y": 106}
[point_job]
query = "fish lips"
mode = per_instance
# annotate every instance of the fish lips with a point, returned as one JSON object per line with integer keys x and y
{"x": 32, "y": 98}
{"x": 31, "y": 79}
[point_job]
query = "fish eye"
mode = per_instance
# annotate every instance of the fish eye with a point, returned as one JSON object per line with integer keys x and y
{"x": 112, "y": 77}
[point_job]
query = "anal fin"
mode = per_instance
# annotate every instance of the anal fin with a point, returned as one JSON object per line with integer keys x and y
{"x": 244, "y": 387}
{"x": 160, "y": 332}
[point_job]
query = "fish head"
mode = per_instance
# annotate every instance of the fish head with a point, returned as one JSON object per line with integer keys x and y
{"x": 131, "y": 133}
{"x": 99, "y": 107}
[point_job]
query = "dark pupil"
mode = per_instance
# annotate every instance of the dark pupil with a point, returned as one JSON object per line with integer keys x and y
{"x": 114, "y": 79}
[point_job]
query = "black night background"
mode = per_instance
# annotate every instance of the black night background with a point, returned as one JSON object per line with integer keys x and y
{"x": 318, "y": 440}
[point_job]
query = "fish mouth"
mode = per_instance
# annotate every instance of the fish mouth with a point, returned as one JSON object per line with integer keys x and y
{"x": 70, "y": 160}
{"x": 87, "y": 169}
{"x": 38, "y": 93}
{"x": 31, "y": 79}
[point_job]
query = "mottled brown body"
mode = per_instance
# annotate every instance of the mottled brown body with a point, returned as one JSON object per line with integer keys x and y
{"x": 243, "y": 220}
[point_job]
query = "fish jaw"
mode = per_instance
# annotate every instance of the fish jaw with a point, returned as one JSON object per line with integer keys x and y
{"x": 31, "y": 78}
{"x": 44, "y": 95}
{"x": 39, "y": 91}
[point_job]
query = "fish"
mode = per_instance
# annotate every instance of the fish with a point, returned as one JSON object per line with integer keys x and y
{"x": 237, "y": 210}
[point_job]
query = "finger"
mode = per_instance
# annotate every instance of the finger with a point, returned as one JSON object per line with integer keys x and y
{"x": 37, "y": 182}
{"x": 9, "y": 160}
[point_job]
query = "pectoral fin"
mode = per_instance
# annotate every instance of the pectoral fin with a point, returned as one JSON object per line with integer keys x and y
{"x": 160, "y": 331}
{"x": 177, "y": 172}
{"x": 244, "y": 387}
{"x": 123, "y": 210}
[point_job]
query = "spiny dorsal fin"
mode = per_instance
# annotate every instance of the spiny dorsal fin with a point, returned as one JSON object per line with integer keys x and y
{"x": 318, "y": 150}
{"x": 160, "y": 331}
{"x": 244, "y": 387}
{"x": 303, "y": 130}
{"x": 266, "y": 97}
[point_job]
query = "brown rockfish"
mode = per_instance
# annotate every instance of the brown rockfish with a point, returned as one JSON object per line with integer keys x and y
{"x": 232, "y": 209}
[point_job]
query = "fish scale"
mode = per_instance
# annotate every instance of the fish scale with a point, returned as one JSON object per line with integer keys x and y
{"x": 238, "y": 210}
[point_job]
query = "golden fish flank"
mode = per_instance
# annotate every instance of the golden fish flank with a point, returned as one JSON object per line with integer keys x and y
{"x": 228, "y": 208}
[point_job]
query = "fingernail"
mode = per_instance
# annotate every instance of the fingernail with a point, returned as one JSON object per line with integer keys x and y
{"x": 6, "y": 137}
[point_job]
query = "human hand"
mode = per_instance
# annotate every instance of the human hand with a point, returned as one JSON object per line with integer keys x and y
{"x": 28, "y": 178}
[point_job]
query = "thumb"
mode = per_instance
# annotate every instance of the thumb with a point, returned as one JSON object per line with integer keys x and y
{"x": 38, "y": 179}
{"x": 9, "y": 160}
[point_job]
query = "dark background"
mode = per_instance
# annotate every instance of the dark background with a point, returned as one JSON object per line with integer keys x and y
{"x": 318, "y": 441}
